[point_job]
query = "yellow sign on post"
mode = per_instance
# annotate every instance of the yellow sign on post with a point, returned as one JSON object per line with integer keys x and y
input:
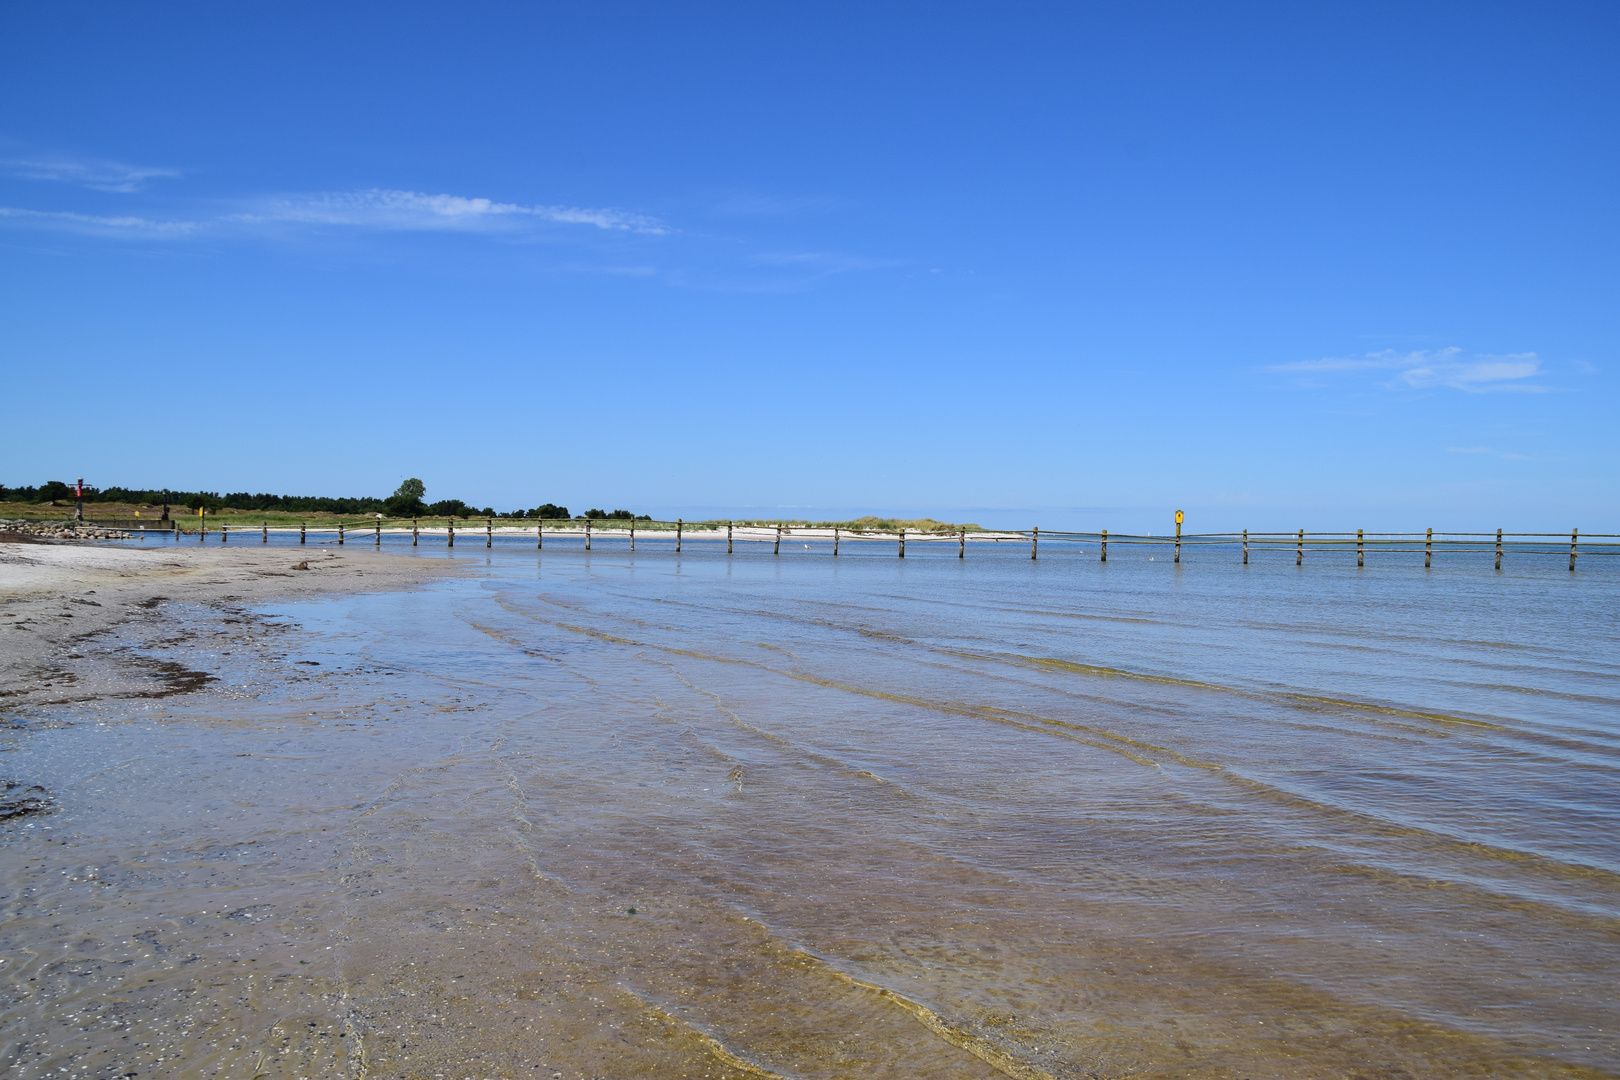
{"x": 1180, "y": 517}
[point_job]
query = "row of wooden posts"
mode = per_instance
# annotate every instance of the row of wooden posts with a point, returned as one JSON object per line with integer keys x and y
{"x": 1266, "y": 540}
{"x": 1361, "y": 547}
{"x": 1269, "y": 540}
{"x": 539, "y": 536}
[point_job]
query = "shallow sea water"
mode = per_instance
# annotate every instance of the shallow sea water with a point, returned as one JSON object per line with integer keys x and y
{"x": 874, "y": 818}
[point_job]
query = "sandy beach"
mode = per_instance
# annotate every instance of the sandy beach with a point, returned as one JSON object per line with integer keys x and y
{"x": 57, "y": 600}
{"x": 475, "y": 813}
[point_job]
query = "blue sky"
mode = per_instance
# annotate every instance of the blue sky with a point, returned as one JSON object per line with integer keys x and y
{"x": 1280, "y": 265}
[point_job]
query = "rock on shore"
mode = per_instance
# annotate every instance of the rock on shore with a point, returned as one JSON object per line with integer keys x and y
{"x": 25, "y": 529}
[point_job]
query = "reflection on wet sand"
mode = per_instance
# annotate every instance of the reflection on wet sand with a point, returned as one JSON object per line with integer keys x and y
{"x": 595, "y": 816}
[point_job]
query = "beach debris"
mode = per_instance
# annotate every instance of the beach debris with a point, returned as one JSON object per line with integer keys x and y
{"x": 302, "y": 565}
{"x": 19, "y": 800}
{"x": 736, "y": 776}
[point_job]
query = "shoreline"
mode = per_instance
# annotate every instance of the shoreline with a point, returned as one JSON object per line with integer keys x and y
{"x": 58, "y": 598}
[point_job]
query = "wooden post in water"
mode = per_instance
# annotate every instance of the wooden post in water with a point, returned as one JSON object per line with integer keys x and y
{"x": 1105, "y": 545}
{"x": 416, "y": 533}
{"x": 177, "y": 529}
{"x": 301, "y": 527}
{"x": 340, "y": 534}
{"x": 835, "y": 541}
{"x": 1574, "y": 535}
{"x": 265, "y": 537}
{"x": 1428, "y": 548}
{"x": 961, "y": 545}
{"x": 1245, "y": 547}
{"x": 1034, "y": 541}
{"x": 1499, "y": 549}
{"x": 202, "y": 524}
{"x": 1178, "y": 536}
{"x": 377, "y": 542}
{"x": 489, "y": 532}
{"x": 728, "y": 538}
{"x": 778, "y": 549}
{"x": 632, "y": 534}
{"x": 1360, "y": 552}
{"x": 1299, "y": 553}
{"x": 679, "y": 524}
{"x": 450, "y": 534}
{"x": 902, "y": 543}
{"x": 588, "y": 535}
{"x": 540, "y": 537}
{"x": 224, "y": 533}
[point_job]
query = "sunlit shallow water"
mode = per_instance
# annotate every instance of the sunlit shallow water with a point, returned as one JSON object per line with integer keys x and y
{"x": 931, "y": 817}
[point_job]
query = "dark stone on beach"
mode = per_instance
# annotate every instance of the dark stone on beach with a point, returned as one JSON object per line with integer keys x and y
{"x": 19, "y": 800}
{"x": 177, "y": 678}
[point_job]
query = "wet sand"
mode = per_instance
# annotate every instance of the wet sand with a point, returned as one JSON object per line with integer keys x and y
{"x": 636, "y": 816}
{"x": 58, "y": 599}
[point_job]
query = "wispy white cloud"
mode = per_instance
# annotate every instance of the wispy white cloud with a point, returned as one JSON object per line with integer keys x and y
{"x": 601, "y": 240}
{"x": 84, "y": 172}
{"x": 1429, "y": 368}
{"x": 376, "y": 210}
{"x": 415, "y": 211}
{"x": 122, "y": 225}
{"x": 1478, "y": 372}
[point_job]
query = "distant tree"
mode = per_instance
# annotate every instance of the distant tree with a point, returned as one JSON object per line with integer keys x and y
{"x": 643, "y": 517}
{"x": 449, "y": 508}
{"x": 622, "y": 515}
{"x": 595, "y": 515}
{"x": 488, "y": 511}
{"x": 549, "y": 512}
{"x": 53, "y": 490}
{"x": 406, "y": 501}
{"x": 125, "y": 495}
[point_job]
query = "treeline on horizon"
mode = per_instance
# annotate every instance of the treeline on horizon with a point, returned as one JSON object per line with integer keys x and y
{"x": 408, "y": 501}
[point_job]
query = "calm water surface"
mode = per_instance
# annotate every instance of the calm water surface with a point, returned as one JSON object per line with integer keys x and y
{"x": 875, "y": 818}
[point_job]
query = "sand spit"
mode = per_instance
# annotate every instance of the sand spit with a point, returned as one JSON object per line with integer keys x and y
{"x": 474, "y": 530}
{"x": 56, "y": 599}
